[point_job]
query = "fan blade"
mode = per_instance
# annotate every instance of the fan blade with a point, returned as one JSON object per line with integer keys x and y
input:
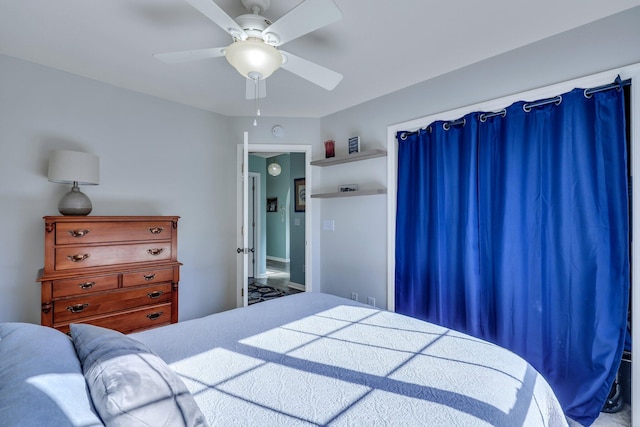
{"x": 189, "y": 55}
{"x": 308, "y": 16}
{"x": 317, "y": 74}
{"x": 212, "y": 11}
{"x": 251, "y": 89}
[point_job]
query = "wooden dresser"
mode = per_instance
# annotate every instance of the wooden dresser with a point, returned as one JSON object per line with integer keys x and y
{"x": 118, "y": 272}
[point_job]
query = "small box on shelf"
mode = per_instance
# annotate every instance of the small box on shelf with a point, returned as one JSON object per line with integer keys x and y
{"x": 329, "y": 148}
{"x": 347, "y": 187}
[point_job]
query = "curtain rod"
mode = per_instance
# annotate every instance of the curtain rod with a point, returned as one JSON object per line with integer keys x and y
{"x": 617, "y": 84}
{"x": 529, "y": 105}
{"x": 447, "y": 125}
{"x": 484, "y": 116}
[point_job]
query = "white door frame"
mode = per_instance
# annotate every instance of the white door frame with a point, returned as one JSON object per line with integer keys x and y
{"x": 242, "y": 269}
{"x": 257, "y": 206}
{"x": 241, "y": 282}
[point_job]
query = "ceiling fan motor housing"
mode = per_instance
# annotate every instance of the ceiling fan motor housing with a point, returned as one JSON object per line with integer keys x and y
{"x": 253, "y": 24}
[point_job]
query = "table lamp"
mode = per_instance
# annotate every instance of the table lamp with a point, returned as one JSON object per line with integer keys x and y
{"x": 77, "y": 168}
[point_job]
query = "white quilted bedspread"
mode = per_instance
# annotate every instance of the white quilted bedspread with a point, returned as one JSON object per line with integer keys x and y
{"x": 315, "y": 359}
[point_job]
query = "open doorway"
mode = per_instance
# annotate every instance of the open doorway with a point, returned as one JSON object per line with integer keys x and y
{"x": 275, "y": 226}
{"x": 279, "y": 223}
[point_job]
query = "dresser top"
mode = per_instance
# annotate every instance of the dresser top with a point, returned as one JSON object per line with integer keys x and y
{"x": 94, "y": 218}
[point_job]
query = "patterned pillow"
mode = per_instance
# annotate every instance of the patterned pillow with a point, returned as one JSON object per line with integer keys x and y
{"x": 129, "y": 384}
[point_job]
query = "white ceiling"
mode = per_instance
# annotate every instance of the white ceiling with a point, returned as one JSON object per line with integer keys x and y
{"x": 379, "y": 46}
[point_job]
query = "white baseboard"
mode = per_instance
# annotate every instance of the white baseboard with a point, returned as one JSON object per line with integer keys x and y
{"x": 296, "y": 286}
{"x": 273, "y": 258}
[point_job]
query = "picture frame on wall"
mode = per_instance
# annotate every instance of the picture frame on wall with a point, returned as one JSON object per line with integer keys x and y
{"x": 272, "y": 204}
{"x": 354, "y": 144}
{"x": 300, "y": 192}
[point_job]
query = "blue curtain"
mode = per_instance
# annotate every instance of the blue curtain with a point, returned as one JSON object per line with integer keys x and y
{"x": 515, "y": 229}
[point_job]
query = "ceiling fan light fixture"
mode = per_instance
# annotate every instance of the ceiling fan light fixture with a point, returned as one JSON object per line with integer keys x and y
{"x": 253, "y": 56}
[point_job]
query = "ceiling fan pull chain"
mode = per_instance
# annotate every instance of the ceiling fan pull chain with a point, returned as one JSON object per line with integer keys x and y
{"x": 256, "y": 93}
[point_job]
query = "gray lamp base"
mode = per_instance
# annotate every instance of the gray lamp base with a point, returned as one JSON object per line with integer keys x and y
{"x": 75, "y": 202}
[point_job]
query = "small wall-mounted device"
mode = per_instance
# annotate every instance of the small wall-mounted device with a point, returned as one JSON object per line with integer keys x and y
{"x": 277, "y": 131}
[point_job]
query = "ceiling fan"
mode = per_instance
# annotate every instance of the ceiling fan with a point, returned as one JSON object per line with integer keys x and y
{"x": 253, "y": 52}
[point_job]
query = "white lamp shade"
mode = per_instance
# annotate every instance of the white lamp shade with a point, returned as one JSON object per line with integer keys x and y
{"x": 274, "y": 169}
{"x": 74, "y": 166}
{"x": 253, "y": 56}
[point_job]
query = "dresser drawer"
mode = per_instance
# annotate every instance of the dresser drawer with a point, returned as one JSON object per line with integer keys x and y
{"x": 112, "y": 231}
{"x": 147, "y": 276}
{"x": 84, "y": 285}
{"x": 77, "y": 257}
{"x": 129, "y": 321}
{"x": 71, "y": 309}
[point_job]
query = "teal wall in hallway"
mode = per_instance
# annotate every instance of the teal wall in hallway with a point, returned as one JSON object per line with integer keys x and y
{"x": 297, "y": 226}
{"x": 277, "y": 225}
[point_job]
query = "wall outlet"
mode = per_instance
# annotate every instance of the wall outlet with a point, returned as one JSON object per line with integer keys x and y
{"x": 371, "y": 301}
{"x": 354, "y": 296}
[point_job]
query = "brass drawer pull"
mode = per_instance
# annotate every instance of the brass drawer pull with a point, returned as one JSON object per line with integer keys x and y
{"x": 77, "y": 257}
{"x": 148, "y": 277}
{"x": 154, "y": 316}
{"x": 77, "y": 308}
{"x": 155, "y": 294}
{"x": 155, "y": 252}
{"x": 86, "y": 285}
{"x": 156, "y": 230}
{"x": 77, "y": 233}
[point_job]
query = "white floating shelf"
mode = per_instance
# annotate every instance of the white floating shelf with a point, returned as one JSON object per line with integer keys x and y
{"x": 350, "y": 193}
{"x": 363, "y": 155}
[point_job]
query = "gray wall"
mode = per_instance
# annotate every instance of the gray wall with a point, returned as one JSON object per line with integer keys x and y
{"x": 353, "y": 257}
{"x": 160, "y": 158}
{"x": 156, "y": 158}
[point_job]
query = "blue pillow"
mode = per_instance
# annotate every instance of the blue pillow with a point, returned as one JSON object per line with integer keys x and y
{"x": 129, "y": 384}
{"x": 41, "y": 381}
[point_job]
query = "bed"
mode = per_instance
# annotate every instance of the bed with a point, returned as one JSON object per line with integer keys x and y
{"x": 304, "y": 360}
